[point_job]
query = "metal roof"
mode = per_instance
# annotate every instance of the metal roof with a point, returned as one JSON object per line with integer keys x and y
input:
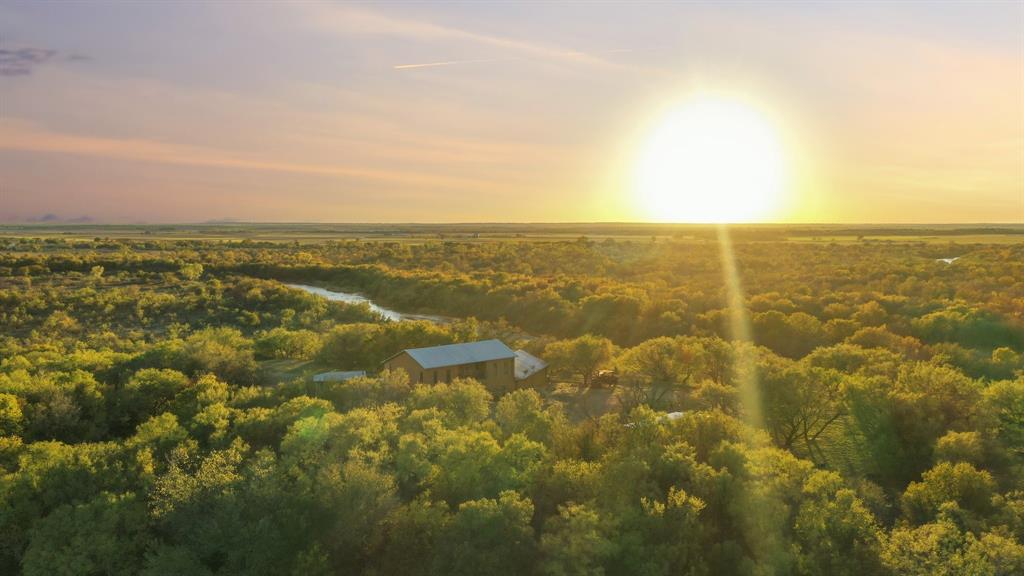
{"x": 527, "y": 365}
{"x": 458, "y": 354}
{"x": 338, "y": 375}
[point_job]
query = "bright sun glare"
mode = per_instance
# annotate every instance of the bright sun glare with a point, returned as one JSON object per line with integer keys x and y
{"x": 711, "y": 160}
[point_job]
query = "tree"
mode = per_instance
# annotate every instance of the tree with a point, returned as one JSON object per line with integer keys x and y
{"x": 902, "y": 420}
{"x": 67, "y": 406}
{"x": 364, "y": 346}
{"x": 360, "y": 497}
{"x": 870, "y": 313}
{"x": 106, "y": 535}
{"x": 149, "y": 392}
{"x": 791, "y": 335}
{"x": 160, "y": 434}
{"x": 661, "y": 365}
{"x": 462, "y": 402}
{"x": 942, "y": 549}
{"x": 10, "y": 415}
{"x": 964, "y": 485}
{"x": 661, "y": 536}
{"x": 800, "y": 403}
{"x": 466, "y": 464}
{"x": 836, "y": 533}
{"x": 488, "y": 537}
{"x": 1004, "y": 405}
{"x": 388, "y": 386}
{"x": 584, "y": 356}
{"x": 523, "y": 412}
{"x": 223, "y": 351}
{"x": 961, "y": 447}
{"x": 410, "y": 536}
{"x": 284, "y": 343}
{"x": 575, "y": 543}
{"x": 191, "y": 271}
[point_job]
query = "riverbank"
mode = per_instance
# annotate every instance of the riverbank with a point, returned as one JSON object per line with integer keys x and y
{"x": 356, "y": 298}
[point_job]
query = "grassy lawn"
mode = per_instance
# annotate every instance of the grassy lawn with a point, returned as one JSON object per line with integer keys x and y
{"x": 286, "y": 370}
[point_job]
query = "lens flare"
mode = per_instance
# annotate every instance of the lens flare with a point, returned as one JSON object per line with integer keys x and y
{"x": 745, "y": 361}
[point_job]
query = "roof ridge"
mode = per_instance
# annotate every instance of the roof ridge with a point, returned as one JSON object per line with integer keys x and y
{"x": 458, "y": 344}
{"x": 459, "y": 353}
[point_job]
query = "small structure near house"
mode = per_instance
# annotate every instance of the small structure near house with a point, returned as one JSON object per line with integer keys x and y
{"x": 490, "y": 362}
{"x": 530, "y": 371}
{"x": 670, "y": 417}
{"x": 338, "y": 375}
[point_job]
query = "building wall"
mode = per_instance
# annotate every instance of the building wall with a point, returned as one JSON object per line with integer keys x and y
{"x": 498, "y": 374}
{"x": 501, "y": 375}
{"x": 406, "y": 363}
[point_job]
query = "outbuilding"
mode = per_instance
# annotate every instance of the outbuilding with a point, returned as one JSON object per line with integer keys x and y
{"x": 488, "y": 361}
{"x": 531, "y": 372}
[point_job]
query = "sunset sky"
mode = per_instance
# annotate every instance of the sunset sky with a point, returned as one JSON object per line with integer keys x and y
{"x": 526, "y": 112}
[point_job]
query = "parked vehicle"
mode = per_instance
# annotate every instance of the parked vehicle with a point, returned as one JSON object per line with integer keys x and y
{"x": 605, "y": 378}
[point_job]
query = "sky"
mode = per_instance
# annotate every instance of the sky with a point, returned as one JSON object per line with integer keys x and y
{"x": 497, "y": 112}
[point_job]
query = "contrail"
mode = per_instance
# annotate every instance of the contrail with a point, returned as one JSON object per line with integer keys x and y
{"x": 450, "y": 62}
{"x": 568, "y": 54}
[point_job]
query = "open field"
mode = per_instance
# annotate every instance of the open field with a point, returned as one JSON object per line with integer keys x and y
{"x": 491, "y": 232}
{"x": 995, "y": 237}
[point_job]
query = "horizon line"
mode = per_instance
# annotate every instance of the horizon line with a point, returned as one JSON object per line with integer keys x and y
{"x": 68, "y": 223}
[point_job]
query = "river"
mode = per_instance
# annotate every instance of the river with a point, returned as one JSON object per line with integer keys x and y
{"x": 352, "y": 298}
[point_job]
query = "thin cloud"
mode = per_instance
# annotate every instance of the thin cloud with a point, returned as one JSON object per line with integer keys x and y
{"x": 452, "y": 62}
{"x": 21, "y": 135}
{"x": 354, "y": 20}
{"x": 567, "y": 54}
{"x": 21, "y": 61}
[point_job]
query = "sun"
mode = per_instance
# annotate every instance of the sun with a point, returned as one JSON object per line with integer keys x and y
{"x": 711, "y": 160}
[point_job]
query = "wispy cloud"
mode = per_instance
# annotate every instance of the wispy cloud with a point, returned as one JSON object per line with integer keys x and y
{"x": 356, "y": 20}
{"x": 567, "y": 54}
{"x": 21, "y": 61}
{"x": 451, "y": 62}
{"x": 21, "y": 135}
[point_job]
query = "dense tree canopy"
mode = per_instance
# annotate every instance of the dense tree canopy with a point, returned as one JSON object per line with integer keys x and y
{"x": 157, "y": 414}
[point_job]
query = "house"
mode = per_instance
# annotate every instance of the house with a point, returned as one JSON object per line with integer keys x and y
{"x": 338, "y": 375}
{"x": 488, "y": 361}
{"x": 530, "y": 371}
